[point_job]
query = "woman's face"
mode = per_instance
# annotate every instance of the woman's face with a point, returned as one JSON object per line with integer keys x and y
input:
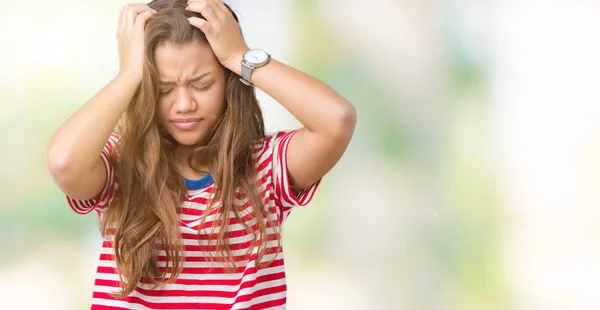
{"x": 192, "y": 91}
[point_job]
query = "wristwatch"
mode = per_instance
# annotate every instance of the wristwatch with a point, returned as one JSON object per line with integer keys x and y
{"x": 253, "y": 58}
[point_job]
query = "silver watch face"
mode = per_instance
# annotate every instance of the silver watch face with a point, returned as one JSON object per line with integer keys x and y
{"x": 256, "y": 57}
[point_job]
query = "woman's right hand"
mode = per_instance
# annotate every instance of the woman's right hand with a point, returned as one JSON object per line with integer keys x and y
{"x": 130, "y": 37}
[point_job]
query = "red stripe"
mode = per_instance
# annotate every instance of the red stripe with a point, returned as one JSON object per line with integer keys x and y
{"x": 218, "y": 221}
{"x": 213, "y": 248}
{"x": 161, "y": 305}
{"x": 196, "y": 259}
{"x": 277, "y": 191}
{"x": 264, "y": 164}
{"x": 212, "y": 236}
{"x": 205, "y": 200}
{"x": 98, "y": 307}
{"x": 180, "y": 305}
{"x": 242, "y": 271}
{"x": 85, "y": 206}
{"x": 261, "y": 292}
{"x": 282, "y": 182}
{"x": 165, "y": 305}
{"x": 162, "y": 258}
{"x": 205, "y": 293}
{"x": 267, "y": 304}
{"x": 229, "y": 234}
{"x": 266, "y": 145}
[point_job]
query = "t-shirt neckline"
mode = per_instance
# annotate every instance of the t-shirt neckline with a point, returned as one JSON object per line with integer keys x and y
{"x": 200, "y": 183}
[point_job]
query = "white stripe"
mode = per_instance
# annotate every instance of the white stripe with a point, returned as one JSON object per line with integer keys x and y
{"x": 201, "y": 193}
{"x": 265, "y": 169}
{"x": 263, "y": 298}
{"x": 277, "y": 166}
{"x": 211, "y": 218}
{"x": 201, "y": 299}
{"x": 185, "y": 216}
{"x": 248, "y": 264}
{"x": 280, "y": 295}
{"x": 239, "y": 202}
{"x": 236, "y": 227}
{"x": 232, "y": 241}
{"x": 218, "y": 288}
{"x": 209, "y": 276}
{"x": 204, "y": 193}
{"x": 117, "y": 303}
{"x": 270, "y": 244}
{"x": 282, "y": 168}
{"x": 264, "y": 149}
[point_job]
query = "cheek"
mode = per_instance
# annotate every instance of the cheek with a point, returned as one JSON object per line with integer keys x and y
{"x": 212, "y": 103}
{"x": 162, "y": 111}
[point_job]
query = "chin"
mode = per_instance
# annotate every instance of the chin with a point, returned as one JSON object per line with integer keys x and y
{"x": 187, "y": 138}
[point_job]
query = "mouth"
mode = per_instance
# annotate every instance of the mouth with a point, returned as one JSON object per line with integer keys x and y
{"x": 185, "y": 124}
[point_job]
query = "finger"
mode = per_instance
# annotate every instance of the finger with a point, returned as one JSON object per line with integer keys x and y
{"x": 130, "y": 15}
{"x": 140, "y": 7}
{"x": 200, "y": 23}
{"x": 219, "y": 4}
{"x": 204, "y": 7}
{"x": 220, "y": 9}
{"x": 122, "y": 18}
{"x": 141, "y": 19}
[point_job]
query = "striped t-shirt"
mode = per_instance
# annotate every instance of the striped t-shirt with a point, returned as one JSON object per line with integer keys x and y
{"x": 200, "y": 285}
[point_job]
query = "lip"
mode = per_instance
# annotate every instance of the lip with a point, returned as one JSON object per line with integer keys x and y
{"x": 185, "y": 123}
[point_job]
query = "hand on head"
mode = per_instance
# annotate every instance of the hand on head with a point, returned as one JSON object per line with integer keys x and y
{"x": 130, "y": 37}
{"x": 220, "y": 27}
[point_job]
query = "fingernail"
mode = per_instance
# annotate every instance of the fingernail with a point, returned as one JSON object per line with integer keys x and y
{"x": 154, "y": 11}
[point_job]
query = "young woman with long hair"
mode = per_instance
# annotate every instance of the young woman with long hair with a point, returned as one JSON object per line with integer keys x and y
{"x": 173, "y": 157}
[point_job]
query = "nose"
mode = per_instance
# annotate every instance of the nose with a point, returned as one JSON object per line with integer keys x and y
{"x": 184, "y": 102}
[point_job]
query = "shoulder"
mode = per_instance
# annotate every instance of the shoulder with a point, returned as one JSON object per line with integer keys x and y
{"x": 266, "y": 146}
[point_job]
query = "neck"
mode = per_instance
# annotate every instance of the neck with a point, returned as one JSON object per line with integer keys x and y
{"x": 182, "y": 154}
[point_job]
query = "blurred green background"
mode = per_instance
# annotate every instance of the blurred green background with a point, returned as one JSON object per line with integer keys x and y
{"x": 470, "y": 183}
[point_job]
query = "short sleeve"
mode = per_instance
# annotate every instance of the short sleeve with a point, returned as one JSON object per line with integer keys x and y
{"x": 105, "y": 197}
{"x": 282, "y": 190}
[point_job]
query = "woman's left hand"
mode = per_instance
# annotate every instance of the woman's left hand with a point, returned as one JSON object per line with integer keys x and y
{"x": 221, "y": 29}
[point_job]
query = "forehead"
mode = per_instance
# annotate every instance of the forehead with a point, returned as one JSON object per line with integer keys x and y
{"x": 181, "y": 62}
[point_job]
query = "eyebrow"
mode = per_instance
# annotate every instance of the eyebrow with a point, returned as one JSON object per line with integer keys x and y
{"x": 194, "y": 79}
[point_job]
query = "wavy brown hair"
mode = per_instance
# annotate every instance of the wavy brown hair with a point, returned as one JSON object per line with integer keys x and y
{"x": 144, "y": 215}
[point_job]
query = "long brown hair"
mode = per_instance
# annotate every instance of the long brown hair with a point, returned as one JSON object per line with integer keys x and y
{"x": 144, "y": 215}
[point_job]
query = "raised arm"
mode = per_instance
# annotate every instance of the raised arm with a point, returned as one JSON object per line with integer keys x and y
{"x": 73, "y": 153}
{"x": 327, "y": 117}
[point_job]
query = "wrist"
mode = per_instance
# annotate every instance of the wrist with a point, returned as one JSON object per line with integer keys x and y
{"x": 235, "y": 62}
{"x": 128, "y": 80}
{"x": 130, "y": 76}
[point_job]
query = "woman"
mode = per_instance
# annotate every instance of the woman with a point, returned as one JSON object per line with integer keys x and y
{"x": 190, "y": 192}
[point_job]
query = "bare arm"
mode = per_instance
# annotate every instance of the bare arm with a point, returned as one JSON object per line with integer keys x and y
{"x": 73, "y": 154}
{"x": 328, "y": 118}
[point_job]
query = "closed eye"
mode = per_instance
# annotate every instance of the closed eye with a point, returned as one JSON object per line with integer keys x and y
{"x": 202, "y": 88}
{"x": 165, "y": 92}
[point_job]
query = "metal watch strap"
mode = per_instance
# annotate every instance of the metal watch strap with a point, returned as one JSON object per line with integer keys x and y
{"x": 246, "y": 74}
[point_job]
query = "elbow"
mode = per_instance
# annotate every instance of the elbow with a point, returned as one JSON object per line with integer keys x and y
{"x": 345, "y": 121}
{"x": 57, "y": 163}
{"x": 349, "y": 116}
{"x": 59, "y": 167}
